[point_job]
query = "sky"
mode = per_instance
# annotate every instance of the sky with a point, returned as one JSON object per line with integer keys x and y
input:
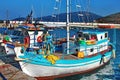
{"x": 10, "y": 9}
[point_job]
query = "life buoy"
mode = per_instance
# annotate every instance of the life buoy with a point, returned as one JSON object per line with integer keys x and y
{"x": 39, "y": 39}
{"x": 26, "y": 41}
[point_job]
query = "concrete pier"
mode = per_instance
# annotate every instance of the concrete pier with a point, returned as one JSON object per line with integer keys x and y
{"x": 9, "y": 72}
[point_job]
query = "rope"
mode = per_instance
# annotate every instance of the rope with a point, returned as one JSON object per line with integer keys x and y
{"x": 59, "y": 9}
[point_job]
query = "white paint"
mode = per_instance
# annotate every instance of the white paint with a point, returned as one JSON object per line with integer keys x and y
{"x": 31, "y": 34}
{"x": 17, "y": 51}
{"x": 9, "y": 50}
{"x": 42, "y": 71}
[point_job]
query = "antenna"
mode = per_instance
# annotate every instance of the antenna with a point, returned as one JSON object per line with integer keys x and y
{"x": 88, "y": 10}
{"x": 56, "y": 12}
{"x": 7, "y": 21}
{"x": 7, "y": 15}
{"x": 32, "y": 14}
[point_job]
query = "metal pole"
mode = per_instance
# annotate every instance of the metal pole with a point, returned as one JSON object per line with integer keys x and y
{"x": 67, "y": 24}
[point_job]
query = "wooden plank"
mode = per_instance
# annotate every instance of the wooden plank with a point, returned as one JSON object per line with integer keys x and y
{"x": 9, "y": 72}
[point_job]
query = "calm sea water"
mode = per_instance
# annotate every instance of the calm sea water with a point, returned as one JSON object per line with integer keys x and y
{"x": 111, "y": 71}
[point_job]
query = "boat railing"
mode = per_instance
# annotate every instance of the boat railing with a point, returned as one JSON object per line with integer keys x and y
{"x": 72, "y": 50}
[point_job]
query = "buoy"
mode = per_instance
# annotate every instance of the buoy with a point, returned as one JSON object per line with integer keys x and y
{"x": 26, "y": 41}
{"x": 39, "y": 39}
{"x": 113, "y": 53}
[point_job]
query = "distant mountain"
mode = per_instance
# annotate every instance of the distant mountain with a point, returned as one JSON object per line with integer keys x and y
{"x": 74, "y": 17}
{"x": 19, "y": 19}
{"x": 113, "y": 18}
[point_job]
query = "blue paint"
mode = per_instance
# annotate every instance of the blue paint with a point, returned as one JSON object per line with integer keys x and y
{"x": 10, "y": 46}
{"x": 40, "y": 60}
{"x": 102, "y": 41}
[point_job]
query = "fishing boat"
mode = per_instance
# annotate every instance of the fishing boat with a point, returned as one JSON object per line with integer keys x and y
{"x": 88, "y": 51}
{"x": 91, "y": 54}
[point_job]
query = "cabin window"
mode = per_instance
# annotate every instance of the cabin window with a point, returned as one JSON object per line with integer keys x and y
{"x": 101, "y": 37}
{"x": 86, "y": 36}
{"x": 80, "y": 34}
{"x": 106, "y": 35}
{"x": 91, "y": 50}
{"x": 93, "y": 37}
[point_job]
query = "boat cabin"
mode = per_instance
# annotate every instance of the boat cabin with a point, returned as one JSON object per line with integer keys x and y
{"x": 89, "y": 35}
{"x": 92, "y": 42}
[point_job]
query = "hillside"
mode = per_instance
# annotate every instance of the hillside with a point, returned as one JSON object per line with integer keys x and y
{"x": 86, "y": 17}
{"x": 19, "y": 19}
{"x": 113, "y": 18}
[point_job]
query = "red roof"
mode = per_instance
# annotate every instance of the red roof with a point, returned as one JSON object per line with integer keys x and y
{"x": 30, "y": 25}
{"x": 106, "y": 26}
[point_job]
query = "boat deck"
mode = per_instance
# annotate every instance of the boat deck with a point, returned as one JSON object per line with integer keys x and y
{"x": 66, "y": 57}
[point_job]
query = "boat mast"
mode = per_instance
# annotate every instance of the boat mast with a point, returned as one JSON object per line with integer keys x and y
{"x": 67, "y": 24}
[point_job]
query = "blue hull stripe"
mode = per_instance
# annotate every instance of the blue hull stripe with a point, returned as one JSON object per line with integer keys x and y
{"x": 39, "y": 60}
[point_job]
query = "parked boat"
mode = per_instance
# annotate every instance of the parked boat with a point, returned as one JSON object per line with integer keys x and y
{"x": 88, "y": 51}
{"x": 83, "y": 57}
